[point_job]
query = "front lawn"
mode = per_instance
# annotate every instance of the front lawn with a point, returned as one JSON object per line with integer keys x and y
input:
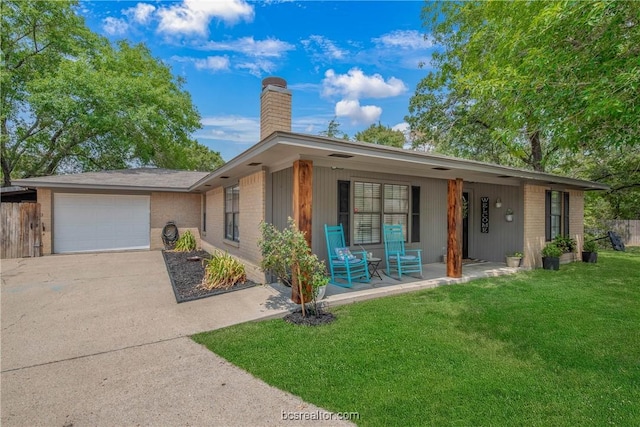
{"x": 538, "y": 348}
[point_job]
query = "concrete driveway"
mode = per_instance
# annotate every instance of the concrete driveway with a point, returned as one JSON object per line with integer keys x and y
{"x": 98, "y": 339}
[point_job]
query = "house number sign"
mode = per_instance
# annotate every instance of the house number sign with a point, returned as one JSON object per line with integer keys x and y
{"x": 484, "y": 214}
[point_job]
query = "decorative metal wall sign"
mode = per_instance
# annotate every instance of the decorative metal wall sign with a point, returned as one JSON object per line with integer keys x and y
{"x": 484, "y": 214}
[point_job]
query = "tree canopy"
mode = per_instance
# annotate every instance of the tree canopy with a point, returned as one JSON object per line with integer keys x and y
{"x": 71, "y": 101}
{"x": 333, "y": 130}
{"x": 380, "y": 134}
{"x": 532, "y": 84}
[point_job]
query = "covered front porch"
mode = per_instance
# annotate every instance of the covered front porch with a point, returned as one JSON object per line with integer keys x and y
{"x": 433, "y": 275}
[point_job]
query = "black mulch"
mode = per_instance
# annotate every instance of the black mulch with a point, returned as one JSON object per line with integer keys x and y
{"x": 186, "y": 270}
{"x": 312, "y": 319}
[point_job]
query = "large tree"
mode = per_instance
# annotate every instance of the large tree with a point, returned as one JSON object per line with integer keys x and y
{"x": 71, "y": 101}
{"x": 532, "y": 83}
{"x": 381, "y": 134}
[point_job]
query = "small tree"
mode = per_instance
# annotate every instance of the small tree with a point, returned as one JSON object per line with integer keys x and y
{"x": 287, "y": 250}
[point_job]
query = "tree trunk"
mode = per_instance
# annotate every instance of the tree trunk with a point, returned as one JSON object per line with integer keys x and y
{"x": 536, "y": 152}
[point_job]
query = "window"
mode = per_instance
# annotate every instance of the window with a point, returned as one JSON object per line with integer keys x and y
{"x": 376, "y": 204}
{"x": 396, "y": 206}
{"x": 415, "y": 214}
{"x": 367, "y": 200}
{"x": 232, "y": 213}
{"x": 557, "y": 214}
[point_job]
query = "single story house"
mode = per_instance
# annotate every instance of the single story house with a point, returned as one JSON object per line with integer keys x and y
{"x": 446, "y": 205}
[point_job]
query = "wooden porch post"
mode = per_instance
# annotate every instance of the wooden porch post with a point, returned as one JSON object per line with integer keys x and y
{"x": 454, "y": 228}
{"x": 302, "y": 202}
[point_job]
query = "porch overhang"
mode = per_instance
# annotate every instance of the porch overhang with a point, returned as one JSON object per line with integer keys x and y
{"x": 281, "y": 149}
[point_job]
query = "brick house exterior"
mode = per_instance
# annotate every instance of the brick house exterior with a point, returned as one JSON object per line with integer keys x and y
{"x": 309, "y": 178}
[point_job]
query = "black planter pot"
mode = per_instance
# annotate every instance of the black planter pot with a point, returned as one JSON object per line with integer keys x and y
{"x": 590, "y": 257}
{"x": 551, "y": 263}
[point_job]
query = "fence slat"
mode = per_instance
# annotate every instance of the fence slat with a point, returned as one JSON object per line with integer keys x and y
{"x": 21, "y": 230}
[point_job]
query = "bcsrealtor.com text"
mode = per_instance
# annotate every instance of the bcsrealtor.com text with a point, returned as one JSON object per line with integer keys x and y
{"x": 319, "y": 416}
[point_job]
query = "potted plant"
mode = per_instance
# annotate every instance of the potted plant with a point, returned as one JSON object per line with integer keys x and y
{"x": 566, "y": 244}
{"x": 551, "y": 256}
{"x": 508, "y": 215}
{"x": 590, "y": 252}
{"x": 514, "y": 259}
{"x": 289, "y": 248}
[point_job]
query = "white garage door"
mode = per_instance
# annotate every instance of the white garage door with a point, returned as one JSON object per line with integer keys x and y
{"x": 99, "y": 222}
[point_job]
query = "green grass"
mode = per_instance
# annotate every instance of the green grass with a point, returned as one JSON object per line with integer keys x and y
{"x": 538, "y": 348}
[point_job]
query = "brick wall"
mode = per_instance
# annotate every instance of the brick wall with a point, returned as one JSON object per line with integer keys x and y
{"x": 46, "y": 217}
{"x": 576, "y": 217}
{"x": 534, "y": 224}
{"x": 275, "y": 111}
{"x": 182, "y": 208}
{"x": 252, "y": 212}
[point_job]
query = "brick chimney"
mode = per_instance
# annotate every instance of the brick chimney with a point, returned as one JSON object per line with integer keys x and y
{"x": 275, "y": 107}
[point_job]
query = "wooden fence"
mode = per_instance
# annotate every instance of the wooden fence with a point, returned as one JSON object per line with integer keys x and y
{"x": 20, "y": 230}
{"x": 627, "y": 229}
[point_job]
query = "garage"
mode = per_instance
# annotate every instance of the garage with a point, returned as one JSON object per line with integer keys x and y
{"x": 100, "y": 222}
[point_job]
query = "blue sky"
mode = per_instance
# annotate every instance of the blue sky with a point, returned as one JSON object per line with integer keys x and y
{"x": 354, "y": 60}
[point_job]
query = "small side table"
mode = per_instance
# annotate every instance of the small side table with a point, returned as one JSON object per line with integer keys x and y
{"x": 373, "y": 264}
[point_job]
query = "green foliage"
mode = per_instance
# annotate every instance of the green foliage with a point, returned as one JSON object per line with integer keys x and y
{"x": 383, "y": 135}
{"x": 565, "y": 243}
{"x": 186, "y": 242}
{"x": 531, "y": 348}
{"x": 287, "y": 252}
{"x": 590, "y": 246}
{"x": 551, "y": 250}
{"x": 223, "y": 271}
{"x": 529, "y": 86}
{"x": 73, "y": 102}
{"x": 515, "y": 255}
{"x": 333, "y": 130}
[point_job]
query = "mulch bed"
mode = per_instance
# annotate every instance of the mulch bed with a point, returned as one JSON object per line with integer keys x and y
{"x": 186, "y": 270}
{"x": 312, "y": 319}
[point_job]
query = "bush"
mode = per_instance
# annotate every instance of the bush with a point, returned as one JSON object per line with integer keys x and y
{"x": 551, "y": 251}
{"x": 590, "y": 246}
{"x": 186, "y": 242}
{"x": 223, "y": 271}
{"x": 565, "y": 243}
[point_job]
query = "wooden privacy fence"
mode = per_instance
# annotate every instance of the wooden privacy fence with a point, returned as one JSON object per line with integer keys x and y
{"x": 20, "y": 230}
{"x": 627, "y": 229}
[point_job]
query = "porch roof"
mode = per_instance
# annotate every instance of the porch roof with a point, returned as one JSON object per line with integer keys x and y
{"x": 281, "y": 149}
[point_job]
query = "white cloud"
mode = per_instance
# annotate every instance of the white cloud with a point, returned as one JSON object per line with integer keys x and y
{"x": 268, "y": 48}
{"x": 358, "y": 114}
{"x": 238, "y": 129}
{"x": 142, "y": 13}
{"x": 194, "y": 16}
{"x": 355, "y": 84}
{"x": 114, "y": 26}
{"x": 322, "y": 48}
{"x": 258, "y": 67}
{"x": 403, "y": 39}
{"x": 402, "y": 127}
{"x": 212, "y": 63}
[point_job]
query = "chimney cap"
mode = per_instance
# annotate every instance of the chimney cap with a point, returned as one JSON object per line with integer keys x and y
{"x": 274, "y": 81}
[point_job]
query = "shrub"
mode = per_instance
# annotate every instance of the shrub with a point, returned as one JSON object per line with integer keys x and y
{"x": 223, "y": 271}
{"x": 590, "y": 246}
{"x": 551, "y": 251}
{"x": 186, "y": 242}
{"x": 565, "y": 243}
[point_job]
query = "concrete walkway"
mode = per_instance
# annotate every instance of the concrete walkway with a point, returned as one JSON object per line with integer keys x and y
{"x": 98, "y": 339}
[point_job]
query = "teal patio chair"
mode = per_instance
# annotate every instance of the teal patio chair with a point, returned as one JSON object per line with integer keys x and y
{"x": 397, "y": 257}
{"x": 345, "y": 267}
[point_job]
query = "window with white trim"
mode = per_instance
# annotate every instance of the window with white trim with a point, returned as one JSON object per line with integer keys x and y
{"x": 232, "y": 213}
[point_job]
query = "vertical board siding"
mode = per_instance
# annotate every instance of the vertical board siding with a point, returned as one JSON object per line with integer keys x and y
{"x": 503, "y": 237}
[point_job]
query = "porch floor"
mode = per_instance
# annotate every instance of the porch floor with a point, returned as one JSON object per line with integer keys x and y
{"x": 432, "y": 275}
